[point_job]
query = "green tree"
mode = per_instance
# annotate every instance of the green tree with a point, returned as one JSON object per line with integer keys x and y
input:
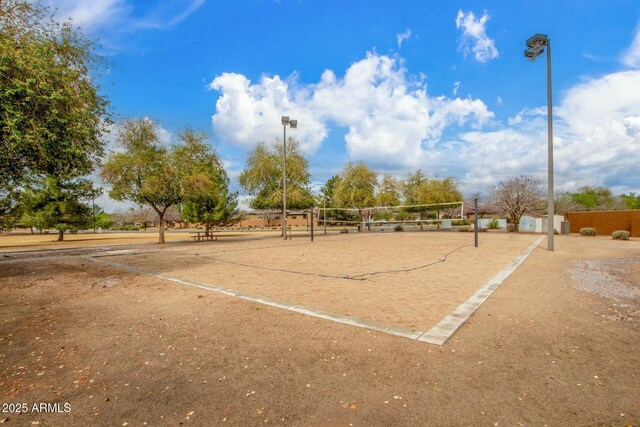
{"x": 411, "y": 188}
{"x": 262, "y": 177}
{"x": 327, "y": 198}
{"x": 596, "y": 198}
{"x": 104, "y": 220}
{"x": 94, "y": 193}
{"x": 57, "y": 204}
{"x": 10, "y": 208}
{"x": 420, "y": 190}
{"x": 413, "y": 194}
{"x": 208, "y": 199}
{"x": 444, "y": 191}
{"x": 146, "y": 172}
{"x": 51, "y": 111}
{"x": 631, "y": 201}
{"x": 328, "y": 190}
{"x": 356, "y": 190}
{"x": 388, "y": 191}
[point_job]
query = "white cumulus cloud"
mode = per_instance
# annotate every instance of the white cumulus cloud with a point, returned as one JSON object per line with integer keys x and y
{"x": 474, "y": 39}
{"x": 393, "y": 122}
{"x": 389, "y": 118}
{"x": 601, "y": 140}
{"x": 595, "y": 143}
{"x": 247, "y": 113}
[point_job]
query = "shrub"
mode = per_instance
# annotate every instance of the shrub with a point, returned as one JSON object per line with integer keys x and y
{"x": 382, "y": 215}
{"x": 493, "y": 224}
{"x": 469, "y": 229}
{"x": 126, "y": 228}
{"x": 344, "y": 231}
{"x": 401, "y": 216}
{"x": 398, "y": 228}
{"x": 620, "y": 235}
{"x": 587, "y": 231}
{"x": 511, "y": 228}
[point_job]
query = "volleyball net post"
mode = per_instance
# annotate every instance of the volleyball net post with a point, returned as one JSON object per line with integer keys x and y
{"x": 312, "y": 209}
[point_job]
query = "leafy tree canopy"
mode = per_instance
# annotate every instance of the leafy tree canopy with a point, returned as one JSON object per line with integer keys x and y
{"x": 328, "y": 190}
{"x": 596, "y": 198}
{"x": 146, "y": 172}
{"x": 443, "y": 191}
{"x": 104, "y": 220}
{"x": 420, "y": 190}
{"x": 206, "y": 184}
{"x": 262, "y": 177}
{"x": 356, "y": 188}
{"x": 388, "y": 191}
{"x": 189, "y": 173}
{"x": 51, "y": 111}
{"x": 631, "y": 201}
{"x": 57, "y": 204}
{"x": 411, "y": 188}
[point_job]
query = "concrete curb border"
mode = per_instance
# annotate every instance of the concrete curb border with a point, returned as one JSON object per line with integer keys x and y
{"x": 448, "y": 326}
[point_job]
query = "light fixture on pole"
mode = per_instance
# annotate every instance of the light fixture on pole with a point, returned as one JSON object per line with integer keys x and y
{"x": 294, "y": 124}
{"x": 535, "y": 47}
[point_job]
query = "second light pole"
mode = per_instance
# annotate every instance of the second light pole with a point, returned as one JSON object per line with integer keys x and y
{"x": 294, "y": 124}
{"x": 535, "y": 46}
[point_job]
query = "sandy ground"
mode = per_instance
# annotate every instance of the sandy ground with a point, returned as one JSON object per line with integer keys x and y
{"x": 557, "y": 344}
{"x": 398, "y": 279}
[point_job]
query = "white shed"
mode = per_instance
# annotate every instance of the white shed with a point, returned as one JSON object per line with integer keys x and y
{"x": 538, "y": 224}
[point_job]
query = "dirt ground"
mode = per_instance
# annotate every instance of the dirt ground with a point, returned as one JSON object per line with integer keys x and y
{"x": 409, "y": 280}
{"x": 557, "y": 344}
{"x": 24, "y": 241}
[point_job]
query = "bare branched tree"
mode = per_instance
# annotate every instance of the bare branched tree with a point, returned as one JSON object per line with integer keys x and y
{"x": 517, "y": 195}
{"x": 565, "y": 203}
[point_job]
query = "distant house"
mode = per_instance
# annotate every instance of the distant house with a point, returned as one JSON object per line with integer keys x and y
{"x": 272, "y": 218}
{"x": 484, "y": 210}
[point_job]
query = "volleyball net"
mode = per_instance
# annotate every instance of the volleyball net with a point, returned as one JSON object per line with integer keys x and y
{"x": 433, "y": 215}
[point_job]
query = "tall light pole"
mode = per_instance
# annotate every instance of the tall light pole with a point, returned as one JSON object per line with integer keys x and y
{"x": 294, "y": 125}
{"x": 535, "y": 47}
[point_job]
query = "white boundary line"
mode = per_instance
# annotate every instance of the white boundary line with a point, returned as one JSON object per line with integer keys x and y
{"x": 448, "y": 326}
{"x": 438, "y": 334}
{"x": 348, "y": 320}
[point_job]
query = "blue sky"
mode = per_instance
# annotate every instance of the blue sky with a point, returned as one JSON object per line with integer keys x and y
{"x": 441, "y": 86}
